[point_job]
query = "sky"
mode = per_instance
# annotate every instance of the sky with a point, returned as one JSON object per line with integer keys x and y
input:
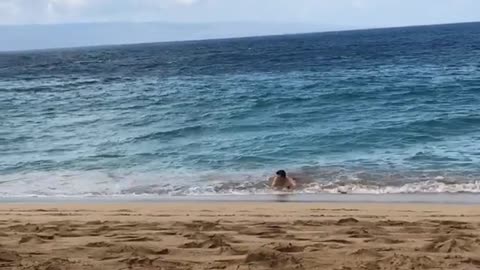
{"x": 40, "y": 24}
{"x": 351, "y": 13}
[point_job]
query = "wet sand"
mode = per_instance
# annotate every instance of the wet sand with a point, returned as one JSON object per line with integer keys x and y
{"x": 246, "y": 235}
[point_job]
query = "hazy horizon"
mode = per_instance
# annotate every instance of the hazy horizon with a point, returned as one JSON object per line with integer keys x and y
{"x": 29, "y": 43}
{"x": 46, "y": 36}
{"x": 41, "y": 24}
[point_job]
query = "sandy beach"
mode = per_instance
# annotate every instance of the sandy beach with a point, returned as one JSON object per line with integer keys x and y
{"x": 215, "y": 235}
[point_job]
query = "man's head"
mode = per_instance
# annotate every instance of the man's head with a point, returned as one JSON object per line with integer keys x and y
{"x": 281, "y": 173}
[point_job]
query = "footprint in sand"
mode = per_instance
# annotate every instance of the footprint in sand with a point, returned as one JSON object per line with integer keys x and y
{"x": 133, "y": 238}
{"x": 396, "y": 223}
{"x": 27, "y": 228}
{"x": 107, "y": 251}
{"x": 99, "y": 244}
{"x": 308, "y": 223}
{"x": 60, "y": 263}
{"x": 401, "y": 262}
{"x": 264, "y": 232}
{"x": 9, "y": 258}
{"x": 452, "y": 244}
{"x": 472, "y": 261}
{"x": 347, "y": 221}
{"x": 272, "y": 259}
{"x": 283, "y": 247}
{"x": 31, "y": 239}
{"x": 221, "y": 242}
{"x": 384, "y": 240}
{"x": 338, "y": 241}
{"x": 360, "y": 232}
{"x": 199, "y": 225}
{"x": 365, "y": 253}
{"x": 214, "y": 241}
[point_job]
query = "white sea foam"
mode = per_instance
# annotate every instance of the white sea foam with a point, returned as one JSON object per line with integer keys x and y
{"x": 98, "y": 184}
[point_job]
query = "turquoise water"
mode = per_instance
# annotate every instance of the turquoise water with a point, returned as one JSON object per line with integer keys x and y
{"x": 378, "y": 111}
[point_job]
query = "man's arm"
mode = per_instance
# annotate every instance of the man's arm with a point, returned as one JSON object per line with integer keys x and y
{"x": 274, "y": 181}
{"x": 292, "y": 183}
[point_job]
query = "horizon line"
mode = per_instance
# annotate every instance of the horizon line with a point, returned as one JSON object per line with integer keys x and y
{"x": 212, "y": 39}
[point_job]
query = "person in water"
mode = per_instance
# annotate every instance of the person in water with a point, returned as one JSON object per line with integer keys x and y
{"x": 281, "y": 181}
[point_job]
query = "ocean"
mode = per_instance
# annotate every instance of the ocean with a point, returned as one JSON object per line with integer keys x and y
{"x": 359, "y": 112}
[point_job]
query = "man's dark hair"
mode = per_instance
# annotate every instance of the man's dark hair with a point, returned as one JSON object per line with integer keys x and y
{"x": 282, "y": 173}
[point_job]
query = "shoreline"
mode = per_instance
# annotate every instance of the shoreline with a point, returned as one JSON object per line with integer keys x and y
{"x": 418, "y": 198}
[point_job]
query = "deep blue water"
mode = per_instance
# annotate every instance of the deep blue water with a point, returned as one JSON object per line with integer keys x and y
{"x": 389, "y": 110}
